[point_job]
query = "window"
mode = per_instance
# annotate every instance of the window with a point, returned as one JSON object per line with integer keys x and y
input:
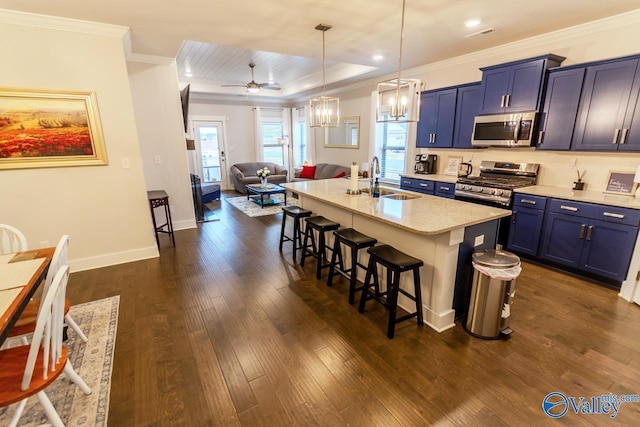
{"x": 393, "y": 139}
{"x": 300, "y": 138}
{"x": 272, "y": 150}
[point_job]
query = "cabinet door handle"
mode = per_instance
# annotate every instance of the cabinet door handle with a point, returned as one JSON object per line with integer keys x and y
{"x": 569, "y": 208}
{"x": 434, "y": 138}
{"x": 406, "y": 182}
{"x": 508, "y": 101}
{"x": 502, "y": 102}
{"x": 540, "y": 135}
{"x": 513, "y": 217}
{"x": 582, "y": 229}
{"x": 444, "y": 188}
{"x": 623, "y": 137}
{"x": 613, "y": 215}
{"x": 589, "y": 231}
{"x": 615, "y": 136}
{"x": 528, "y": 202}
{"x": 424, "y": 185}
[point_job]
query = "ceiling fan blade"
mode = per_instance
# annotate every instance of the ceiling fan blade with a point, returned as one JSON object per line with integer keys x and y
{"x": 270, "y": 87}
{"x": 233, "y": 85}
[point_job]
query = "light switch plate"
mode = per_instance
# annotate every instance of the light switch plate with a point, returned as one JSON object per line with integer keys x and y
{"x": 126, "y": 163}
{"x": 479, "y": 240}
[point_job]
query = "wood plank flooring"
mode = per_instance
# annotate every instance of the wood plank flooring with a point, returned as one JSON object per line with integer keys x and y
{"x": 225, "y": 330}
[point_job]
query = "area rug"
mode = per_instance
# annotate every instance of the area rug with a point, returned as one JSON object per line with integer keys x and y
{"x": 252, "y": 209}
{"x": 92, "y": 361}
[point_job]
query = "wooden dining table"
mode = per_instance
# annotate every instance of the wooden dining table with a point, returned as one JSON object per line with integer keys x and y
{"x": 20, "y": 275}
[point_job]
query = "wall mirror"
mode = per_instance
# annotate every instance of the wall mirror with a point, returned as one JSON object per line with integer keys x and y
{"x": 347, "y": 135}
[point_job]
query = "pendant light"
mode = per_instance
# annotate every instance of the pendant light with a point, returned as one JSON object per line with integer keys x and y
{"x": 399, "y": 99}
{"x": 324, "y": 111}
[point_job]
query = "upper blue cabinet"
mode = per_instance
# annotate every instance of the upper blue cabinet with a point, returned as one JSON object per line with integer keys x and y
{"x": 515, "y": 86}
{"x": 560, "y": 108}
{"x": 437, "y": 111}
{"x": 466, "y": 111}
{"x": 609, "y": 117}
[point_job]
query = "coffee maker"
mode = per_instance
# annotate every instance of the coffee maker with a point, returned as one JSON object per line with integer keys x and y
{"x": 426, "y": 164}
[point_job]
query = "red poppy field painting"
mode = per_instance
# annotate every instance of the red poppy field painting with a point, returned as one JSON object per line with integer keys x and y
{"x": 46, "y": 129}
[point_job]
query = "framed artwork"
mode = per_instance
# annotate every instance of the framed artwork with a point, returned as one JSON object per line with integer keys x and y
{"x": 621, "y": 183}
{"x": 42, "y": 129}
{"x": 452, "y": 165}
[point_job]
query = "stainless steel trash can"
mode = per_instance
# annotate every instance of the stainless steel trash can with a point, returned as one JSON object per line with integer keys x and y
{"x": 492, "y": 292}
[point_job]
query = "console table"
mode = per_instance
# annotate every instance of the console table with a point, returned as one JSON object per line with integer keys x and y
{"x": 157, "y": 199}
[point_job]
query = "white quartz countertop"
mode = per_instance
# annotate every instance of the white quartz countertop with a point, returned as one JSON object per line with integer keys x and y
{"x": 432, "y": 177}
{"x": 581, "y": 196}
{"x": 424, "y": 215}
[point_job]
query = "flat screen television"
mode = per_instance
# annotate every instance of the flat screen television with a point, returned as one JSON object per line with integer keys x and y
{"x": 184, "y": 99}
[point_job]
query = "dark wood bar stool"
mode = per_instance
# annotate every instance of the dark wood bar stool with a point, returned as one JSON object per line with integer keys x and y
{"x": 322, "y": 225}
{"x": 157, "y": 199}
{"x": 355, "y": 241}
{"x": 297, "y": 213}
{"x": 396, "y": 262}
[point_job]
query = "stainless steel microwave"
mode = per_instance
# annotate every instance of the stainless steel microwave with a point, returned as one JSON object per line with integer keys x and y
{"x": 504, "y": 130}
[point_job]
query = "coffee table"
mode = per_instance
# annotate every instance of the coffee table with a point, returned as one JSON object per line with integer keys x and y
{"x": 259, "y": 192}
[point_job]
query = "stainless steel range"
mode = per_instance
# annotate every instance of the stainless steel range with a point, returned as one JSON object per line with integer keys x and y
{"x": 494, "y": 186}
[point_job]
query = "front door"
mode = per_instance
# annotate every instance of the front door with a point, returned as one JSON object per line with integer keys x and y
{"x": 210, "y": 151}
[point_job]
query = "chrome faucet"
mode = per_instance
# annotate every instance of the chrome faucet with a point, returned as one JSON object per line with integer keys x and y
{"x": 371, "y": 177}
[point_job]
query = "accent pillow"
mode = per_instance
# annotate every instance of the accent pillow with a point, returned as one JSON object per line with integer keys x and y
{"x": 340, "y": 175}
{"x": 308, "y": 172}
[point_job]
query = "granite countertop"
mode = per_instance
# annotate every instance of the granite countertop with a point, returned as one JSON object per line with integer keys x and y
{"x": 432, "y": 177}
{"x": 581, "y": 196}
{"x": 425, "y": 214}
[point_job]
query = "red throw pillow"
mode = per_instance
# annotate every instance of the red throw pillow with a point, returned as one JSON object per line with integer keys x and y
{"x": 308, "y": 172}
{"x": 340, "y": 175}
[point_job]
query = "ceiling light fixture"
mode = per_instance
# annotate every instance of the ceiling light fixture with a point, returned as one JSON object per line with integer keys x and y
{"x": 378, "y": 57}
{"x": 399, "y": 99}
{"x": 474, "y": 22}
{"x": 324, "y": 111}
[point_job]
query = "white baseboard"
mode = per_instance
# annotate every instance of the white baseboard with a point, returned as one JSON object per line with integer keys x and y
{"x": 184, "y": 224}
{"x": 115, "y": 258}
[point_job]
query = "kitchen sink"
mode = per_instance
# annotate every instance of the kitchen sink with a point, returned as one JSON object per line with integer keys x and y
{"x": 396, "y": 196}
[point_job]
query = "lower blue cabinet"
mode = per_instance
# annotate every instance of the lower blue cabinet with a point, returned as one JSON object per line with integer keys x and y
{"x": 524, "y": 233}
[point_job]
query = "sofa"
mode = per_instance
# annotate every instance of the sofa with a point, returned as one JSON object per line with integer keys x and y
{"x": 322, "y": 171}
{"x": 245, "y": 173}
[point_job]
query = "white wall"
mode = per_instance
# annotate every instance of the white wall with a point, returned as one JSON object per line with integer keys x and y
{"x": 158, "y": 112}
{"x": 103, "y": 208}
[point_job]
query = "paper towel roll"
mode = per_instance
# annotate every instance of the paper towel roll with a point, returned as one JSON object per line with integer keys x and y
{"x": 354, "y": 176}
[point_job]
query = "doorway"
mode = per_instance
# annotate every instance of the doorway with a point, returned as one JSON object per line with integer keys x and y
{"x": 210, "y": 162}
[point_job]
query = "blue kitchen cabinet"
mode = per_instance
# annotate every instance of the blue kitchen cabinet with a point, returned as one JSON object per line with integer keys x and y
{"x": 607, "y": 106}
{"x": 437, "y": 113}
{"x": 595, "y": 239}
{"x": 526, "y": 224}
{"x": 445, "y": 189}
{"x": 467, "y": 104}
{"x": 516, "y": 86}
{"x": 560, "y": 109}
{"x": 418, "y": 185}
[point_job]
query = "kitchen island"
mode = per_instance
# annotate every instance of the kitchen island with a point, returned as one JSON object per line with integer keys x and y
{"x": 430, "y": 228}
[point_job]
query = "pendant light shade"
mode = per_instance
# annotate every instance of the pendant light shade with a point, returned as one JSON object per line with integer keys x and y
{"x": 324, "y": 111}
{"x": 399, "y": 99}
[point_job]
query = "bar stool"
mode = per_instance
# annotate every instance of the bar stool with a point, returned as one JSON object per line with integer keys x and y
{"x": 356, "y": 241}
{"x": 396, "y": 263}
{"x": 297, "y": 213}
{"x": 321, "y": 225}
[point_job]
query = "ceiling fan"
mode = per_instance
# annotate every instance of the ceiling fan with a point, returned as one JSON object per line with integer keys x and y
{"x": 253, "y": 87}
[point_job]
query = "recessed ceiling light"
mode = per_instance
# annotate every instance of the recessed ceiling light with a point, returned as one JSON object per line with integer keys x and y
{"x": 188, "y": 74}
{"x": 472, "y": 22}
{"x": 378, "y": 57}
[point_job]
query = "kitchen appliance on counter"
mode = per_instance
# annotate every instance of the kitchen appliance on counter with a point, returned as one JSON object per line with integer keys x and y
{"x": 504, "y": 130}
{"x": 426, "y": 164}
{"x": 464, "y": 169}
{"x": 496, "y": 182}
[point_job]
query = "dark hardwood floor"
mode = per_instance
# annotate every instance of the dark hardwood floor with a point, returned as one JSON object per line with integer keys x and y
{"x": 225, "y": 330}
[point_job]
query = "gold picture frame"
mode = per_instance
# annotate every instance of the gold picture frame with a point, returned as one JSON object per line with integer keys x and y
{"x": 43, "y": 128}
{"x": 621, "y": 183}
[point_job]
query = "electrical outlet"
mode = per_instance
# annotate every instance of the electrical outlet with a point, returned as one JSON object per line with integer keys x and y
{"x": 156, "y": 159}
{"x": 478, "y": 240}
{"x": 126, "y": 163}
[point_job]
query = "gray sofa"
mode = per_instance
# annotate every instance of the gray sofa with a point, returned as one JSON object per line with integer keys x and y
{"x": 245, "y": 173}
{"x": 324, "y": 171}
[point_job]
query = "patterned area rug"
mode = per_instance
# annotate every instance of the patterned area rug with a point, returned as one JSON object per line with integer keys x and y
{"x": 92, "y": 361}
{"x": 251, "y": 208}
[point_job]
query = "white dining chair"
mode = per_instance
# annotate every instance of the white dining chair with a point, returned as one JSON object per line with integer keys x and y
{"x": 11, "y": 240}
{"x": 29, "y": 369}
{"x": 26, "y": 323}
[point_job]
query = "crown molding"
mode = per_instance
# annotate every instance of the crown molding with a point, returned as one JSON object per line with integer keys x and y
{"x": 513, "y": 48}
{"x": 65, "y": 24}
{"x": 150, "y": 59}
